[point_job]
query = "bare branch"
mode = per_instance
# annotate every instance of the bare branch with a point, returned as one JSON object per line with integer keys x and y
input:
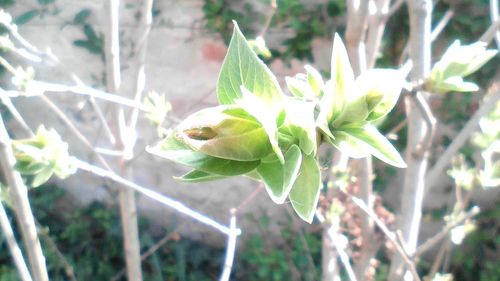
{"x": 489, "y": 34}
{"x": 495, "y": 18}
{"x": 231, "y": 247}
{"x": 431, "y": 242}
{"x": 272, "y": 10}
{"x": 391, "y": 236}
{"x": 14, "y": 249}
{"x": 171, "y": 203}
{"x": 442, "y": 24}
{"x": 19, "y": 196}
{"x": 488, "y": 105}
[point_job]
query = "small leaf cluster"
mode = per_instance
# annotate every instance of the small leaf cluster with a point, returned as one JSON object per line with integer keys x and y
{"x": 259, "y": 132}
{"x": 457, "y": 62}
{"x": 42, "y": 156}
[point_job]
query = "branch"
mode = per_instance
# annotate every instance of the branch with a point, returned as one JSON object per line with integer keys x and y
{"x": 14, "y": 249}
{"x": 495, "y": 18}
{"x": 442, "y": 163}
{"x": 489, "y": 34}
{"x": 166, "y": 201}
{"x": 230, "y": 248}
{"x": 272, "y": 10}
{"x": 431, "y": 242}
{"x": 19, "y": 196}
{"x": 389, "y": 234}
{"x": 442, "y": 24}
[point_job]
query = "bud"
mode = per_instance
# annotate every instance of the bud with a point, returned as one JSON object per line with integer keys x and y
{"x": 226, "y": 132}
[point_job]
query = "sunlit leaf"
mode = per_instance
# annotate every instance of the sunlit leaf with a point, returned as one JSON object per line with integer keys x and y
{"x": 199, "y": 176}
{"x": 305, "y": 191}
{"x": 369, "y": 138}
{"x": 173, "y": 149}
{"x": 301, "y": 123}
{"x": 279, "y": 178}
{"x": 314, "y": 80}
{"x": 242, "y": 67}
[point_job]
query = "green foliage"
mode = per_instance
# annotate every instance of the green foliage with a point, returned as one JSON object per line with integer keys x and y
{"x": 257, "y": 127}
{"x": 42, "y": 156}
{"x": 457, "y": 62}
{"x": 305, "y": 21}
{"x": 93, "y": 41}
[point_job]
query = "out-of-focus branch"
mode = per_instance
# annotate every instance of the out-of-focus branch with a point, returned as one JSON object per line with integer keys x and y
{"x": 230, "y": 248}
{"x": 377, "y": 22}
{"x": 489, "y": 34}
{"x": 442, "y": 24}
{"x": 391, "y": 236}
{"x": 420, "y": 12}
{"x": 19, "y": 196}
{"x": 166, "y": 201}
{"x": 272, "y": 10}
{"x": 14, "y": 249}
{"x": 495, "y": 18}
{"x": 488, "y": 105}
{"x": 431, "y": 242}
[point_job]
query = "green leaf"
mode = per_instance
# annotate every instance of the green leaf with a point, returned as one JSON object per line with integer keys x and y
{"x": 336, "y": 90}
{"x": 26, "y": 17}
{"x": 279, "y": 178}
{"x": 82, "y": 16}
{"x": 227, "y": 132}
{"x": 42, "y": 176}
{"x": 173, "y": 149}
{"x": 342, "y": 77}
{"x": 199, "y": 176}
{"x": 370, "y": 139}
{"x": 242, "y": 67}
{"x": 381, "y": 95}
{"x": 301, "y": 123}
{"x": 306, "y": 188}
{"x": 455, "y": 83}
{"x": 314, "y": 80}
{"x": 298, "y": 87}
{"x": 266, "y": 115}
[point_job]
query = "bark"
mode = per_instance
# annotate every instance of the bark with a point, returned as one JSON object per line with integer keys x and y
{"x": 414, "y": 180}
{"x": 128, "y": 209}
{"x": 19, "y": 196}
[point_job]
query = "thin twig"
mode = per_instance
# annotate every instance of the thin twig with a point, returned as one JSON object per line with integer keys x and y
{"x": 489, "y": 34}
{"x": 230, "y": 248}
{"x": 171, "y": 203}
{"x": 272, "y": 10}
{"x": 488, "y": 105}
{"x": 442, "y": 24}
{"x": 68, "y": 268}
{"x": 494, "y": 18}
{"x": 389, "y": 234}
{"x": 14, "y": 249}
{"x": 344, "y": 257}
{"x": 249, "y": 198}
{"x": 15, "y": 113}
{"x": 24, "y": 215}
{"x": 431, "y": 242}
{"x": 430, "y": 121}
{"x": 394, "y": 8}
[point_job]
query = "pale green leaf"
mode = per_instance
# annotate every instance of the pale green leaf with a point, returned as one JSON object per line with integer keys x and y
{"x": 305, "y": 191}
{"x": 267, "y": 115}
{"x": 279, "y": 178}
{"x": 314, "y": 80}
{"x": 199, "y": 176}
{"x": 173, "y": 149}
{"x": 301, "y": 123}
{"x": 369, "y": 138}
{"x": 242, "y": 67}
{"x": 42, "y": 176}
{"x": 382, "y": 88}
{"x": 298, "y": 87}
